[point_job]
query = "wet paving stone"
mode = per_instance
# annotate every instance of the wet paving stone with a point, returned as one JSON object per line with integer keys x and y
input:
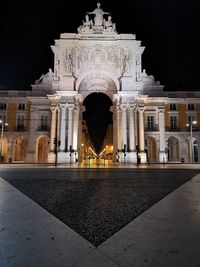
{"x": 96, "y": 203}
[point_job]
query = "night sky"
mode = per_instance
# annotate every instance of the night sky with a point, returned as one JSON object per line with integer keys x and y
{"x": 168, "y": 29}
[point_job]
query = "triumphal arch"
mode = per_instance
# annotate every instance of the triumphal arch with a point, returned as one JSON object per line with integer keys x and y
{"x": 98, "y": 59}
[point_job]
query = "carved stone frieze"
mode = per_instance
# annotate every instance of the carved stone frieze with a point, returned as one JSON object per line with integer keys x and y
{"x": 98, "y": 57}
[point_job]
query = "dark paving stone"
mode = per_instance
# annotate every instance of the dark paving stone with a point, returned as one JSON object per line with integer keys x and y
{"x": 96, "y": 203}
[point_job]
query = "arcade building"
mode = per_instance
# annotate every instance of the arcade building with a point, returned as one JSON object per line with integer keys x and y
{"x": 46, "y": 123}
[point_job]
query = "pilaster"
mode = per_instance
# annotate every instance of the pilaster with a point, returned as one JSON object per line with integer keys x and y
{"x": 70, "y": 126}
{"x": 124, "y": 125}
{"x": 161, "y": 119}
{"x": 63, "y": 108}
{"x": 131, "y": 128}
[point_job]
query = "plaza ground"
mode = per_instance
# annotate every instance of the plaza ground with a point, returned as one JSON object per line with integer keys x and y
{"x": 166, "y": 234}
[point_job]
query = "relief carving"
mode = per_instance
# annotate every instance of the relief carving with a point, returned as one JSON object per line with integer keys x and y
{"x": 68, "y": 61}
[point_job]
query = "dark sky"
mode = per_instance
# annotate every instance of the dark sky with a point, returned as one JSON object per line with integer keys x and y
{"x": 168, "y": 29}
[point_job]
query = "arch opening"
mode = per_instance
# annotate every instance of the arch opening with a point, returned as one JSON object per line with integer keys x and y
{"x": 19, "y": 149}
{"x": 173, "y": 149}
{"x": 3, "y": 149}
{"x": 42, "y": 149}
{"x": 151, "y": 149}
{"x": 98, "y": 120}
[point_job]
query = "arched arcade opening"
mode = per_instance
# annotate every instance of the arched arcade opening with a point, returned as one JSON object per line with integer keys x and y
{"x": 42, "y": 149}
{"x": 173, "y": 149}
{"x": 97, "y": 119}
{"x": 19, "y": 149}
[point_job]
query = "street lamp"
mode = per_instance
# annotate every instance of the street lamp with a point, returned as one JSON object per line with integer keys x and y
{"x": 82, "y": 153}
{"x": 191, "y": 143}
{"x": 1, "y": 147}
{"x": 124, "y": 151}
{"x": 89, "y": 156}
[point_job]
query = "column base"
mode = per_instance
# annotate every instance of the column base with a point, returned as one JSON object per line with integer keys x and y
{"x": 51, "y": 157}
{"x": 67, "y": 157}
{"x": 30, "y": 157}
{"x": 131, "y": 157}
{"x": 162, "y": 157}
{"x": 143, "y": 157}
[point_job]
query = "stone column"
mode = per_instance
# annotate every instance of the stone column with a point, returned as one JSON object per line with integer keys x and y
{"x": 124, "y": 126}
{"x": 114, "y": 134}
{"x": 70, "y": 126}
{"x": 142, "y": 154}
{"x": 118, "y": 129}
{"x": 31, "y": 154}
{"x": 80, "y": 137}
{"x": 141, "y": 129}
{"x": 161, "y": 119}
{"x": 76, "y": 128}
{"x": 53, "y": 127}
{"x": 136, "y": 127}
{"x": 63, "y": 128}
{"x": 131, "y": 128}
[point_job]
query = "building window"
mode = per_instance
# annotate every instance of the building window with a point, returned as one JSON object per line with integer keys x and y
{"x": 21, "y": 106}
{"x": 173, "y": 122}
{"x": 44, "y": 123}
{"x": 3, "y": 120}
{"x": 20, "y": 123}
{"x": 3, "y": 105}
{"x": 191, "y": 107}
{"x": 172, "y": 107}
{"x": 150, "y": 123}
{"x": 191, "y": 119}
{"x": 3, "y": 117}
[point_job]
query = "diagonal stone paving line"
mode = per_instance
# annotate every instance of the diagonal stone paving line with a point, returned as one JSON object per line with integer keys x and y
{"x": 93, "y": 256}
{"x": 35, "y": 238}
{"x": 94, "y": 207}
{"x": 167, "y": 234}
{"x": 96, "y": 258}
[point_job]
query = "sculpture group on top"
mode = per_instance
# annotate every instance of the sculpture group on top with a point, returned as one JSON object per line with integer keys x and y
{"x": 99, "y": 24}
{"x": 46, "y": 78}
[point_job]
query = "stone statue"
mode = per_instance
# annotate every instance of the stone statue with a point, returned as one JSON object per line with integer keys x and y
{"x": 46, "y": 78}
{"x": 87, "y": 24}
{"x": 108, "y": 25}
{"x": 98, "y": 12}
{"x": 69, "y": 63}
{"x": 148, "y": 79}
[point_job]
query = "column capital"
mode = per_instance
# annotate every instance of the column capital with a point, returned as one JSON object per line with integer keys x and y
{"x": 63, "y": 106}
{"x": 117, "y": 108}
{"x": 140, "y": 108}
{"x": 160, "y": 109}
{"x": 132, "y": 107}
{"x": 54, "y": 108}
{"x": 82, "y": 109}
{"x": 70, "y": 106}
{"x": 112, "y": 109}
{"x": 123, "y": 107}
{"x": 77, "y": 108}
{"x": 33, "y": 108}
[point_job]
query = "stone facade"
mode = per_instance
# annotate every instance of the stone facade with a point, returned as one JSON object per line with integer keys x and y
{"x": 148, "y": 123}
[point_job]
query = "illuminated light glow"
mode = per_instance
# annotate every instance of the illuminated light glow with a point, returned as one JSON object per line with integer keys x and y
{"x": 92, "y": 151}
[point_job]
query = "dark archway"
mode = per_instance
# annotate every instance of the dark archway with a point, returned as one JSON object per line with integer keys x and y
{"x": 97, "y": 116}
